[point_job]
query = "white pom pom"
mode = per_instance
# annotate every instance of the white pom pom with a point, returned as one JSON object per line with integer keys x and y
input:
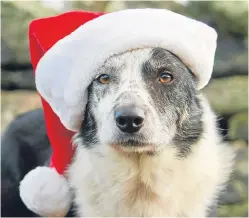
{"x": 45, "y": 192}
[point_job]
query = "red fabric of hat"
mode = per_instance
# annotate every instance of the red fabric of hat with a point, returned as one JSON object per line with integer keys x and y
{"x": 44, "y": 190}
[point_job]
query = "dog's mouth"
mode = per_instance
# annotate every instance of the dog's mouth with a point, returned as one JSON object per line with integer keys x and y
{"x": 134, "y": 146}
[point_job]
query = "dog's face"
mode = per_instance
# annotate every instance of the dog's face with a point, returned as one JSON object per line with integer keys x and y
{"x": 143, "y": 101}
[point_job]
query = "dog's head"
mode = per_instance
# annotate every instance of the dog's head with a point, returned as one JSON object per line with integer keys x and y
{"x": 143, "y": 101}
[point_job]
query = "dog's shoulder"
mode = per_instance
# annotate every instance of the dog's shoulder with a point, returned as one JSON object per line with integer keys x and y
{"x": 24, "y": 145}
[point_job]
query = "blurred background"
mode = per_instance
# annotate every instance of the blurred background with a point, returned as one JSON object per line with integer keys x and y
{"x": 227, "y": 91}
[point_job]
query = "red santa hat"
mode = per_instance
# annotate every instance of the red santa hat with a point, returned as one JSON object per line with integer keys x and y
{"x": 67, "y": 49}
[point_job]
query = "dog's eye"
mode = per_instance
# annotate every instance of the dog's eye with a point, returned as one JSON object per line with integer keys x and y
{"x": 103, "y": 79}
{"x": 165, "y": 77}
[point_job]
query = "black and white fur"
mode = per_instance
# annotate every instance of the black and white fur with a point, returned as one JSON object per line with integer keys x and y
{"x": 175, "y": 165}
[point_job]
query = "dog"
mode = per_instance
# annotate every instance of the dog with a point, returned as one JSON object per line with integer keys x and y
{"x": 149, "y": 143}
{"x": 24, "y": 146}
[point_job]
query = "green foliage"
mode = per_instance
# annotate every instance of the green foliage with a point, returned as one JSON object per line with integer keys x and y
{"x": 16, "y": 17}
{"x": 228, "y": 95}
{"x": 238, "y": 126}
{"x": 231, "y": 17}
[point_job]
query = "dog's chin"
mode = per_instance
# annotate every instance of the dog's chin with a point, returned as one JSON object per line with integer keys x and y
{"x": 133, "y": 146}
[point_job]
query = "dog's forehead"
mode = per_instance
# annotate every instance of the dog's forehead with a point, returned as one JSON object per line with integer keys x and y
{"x": 132, "y": 62}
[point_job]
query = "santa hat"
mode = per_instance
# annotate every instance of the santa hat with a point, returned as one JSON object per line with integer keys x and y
{"x": 66, "y": 52}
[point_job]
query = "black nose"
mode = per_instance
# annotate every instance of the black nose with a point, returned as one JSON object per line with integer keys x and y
{"x": 129, "y": 119}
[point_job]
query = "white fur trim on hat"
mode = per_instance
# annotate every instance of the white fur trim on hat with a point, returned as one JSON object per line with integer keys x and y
{"x": 65, "y": 71}
{"x": 46, "y": 192}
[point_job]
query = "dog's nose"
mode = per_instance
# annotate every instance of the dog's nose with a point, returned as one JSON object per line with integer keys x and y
{"x": 129, "y": 119}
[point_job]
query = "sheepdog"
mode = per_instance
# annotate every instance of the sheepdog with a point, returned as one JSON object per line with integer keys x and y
{"x": 149, "y": 143}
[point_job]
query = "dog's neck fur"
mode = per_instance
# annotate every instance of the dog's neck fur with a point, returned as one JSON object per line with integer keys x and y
{"x": 112, "y": 183}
